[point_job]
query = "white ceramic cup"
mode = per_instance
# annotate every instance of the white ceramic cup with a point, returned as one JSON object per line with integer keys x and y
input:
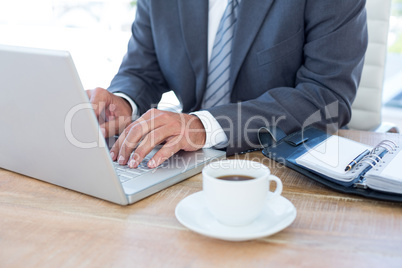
{"x": 237, "y": 203}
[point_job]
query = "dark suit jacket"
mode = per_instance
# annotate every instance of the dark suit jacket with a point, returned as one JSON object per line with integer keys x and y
{"x": 294, "y": 62}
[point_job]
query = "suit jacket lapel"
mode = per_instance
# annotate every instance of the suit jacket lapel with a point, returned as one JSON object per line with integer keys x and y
{"x": 194, "y": 23}
{"x": 251, "y": 16}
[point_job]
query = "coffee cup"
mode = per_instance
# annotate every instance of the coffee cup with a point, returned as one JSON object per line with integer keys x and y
{"x": 236, "y": 191}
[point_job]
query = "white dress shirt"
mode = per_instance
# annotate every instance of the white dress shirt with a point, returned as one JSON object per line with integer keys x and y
{"x": 215, "y": 136}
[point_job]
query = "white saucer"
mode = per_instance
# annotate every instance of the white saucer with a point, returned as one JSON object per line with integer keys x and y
{"x": 193, "y": 213}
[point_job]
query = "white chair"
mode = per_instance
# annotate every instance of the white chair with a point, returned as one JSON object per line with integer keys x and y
{"x": 366, "y": 109}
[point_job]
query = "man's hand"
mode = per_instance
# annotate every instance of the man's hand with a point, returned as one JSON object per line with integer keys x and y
{"x": 176, "y": 130}
{"x": 113, "y": 112}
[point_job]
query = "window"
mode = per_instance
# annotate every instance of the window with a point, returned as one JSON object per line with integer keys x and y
{"x": 392, "y": 94}
{"x": 96, "y": 32}
{"x": 393, "y": 78}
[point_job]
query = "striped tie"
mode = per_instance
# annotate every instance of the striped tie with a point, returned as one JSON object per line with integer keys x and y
{"x": 217, "y": 91}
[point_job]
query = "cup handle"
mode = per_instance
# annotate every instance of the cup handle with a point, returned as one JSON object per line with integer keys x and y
{"x": 279, "y": 186}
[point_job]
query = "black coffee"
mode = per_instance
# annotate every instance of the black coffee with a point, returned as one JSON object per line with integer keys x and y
{"x": 235, "y": 178}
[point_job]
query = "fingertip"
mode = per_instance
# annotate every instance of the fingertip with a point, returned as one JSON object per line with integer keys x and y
{"x": 121, "y": 160}
{"x": 132, "y": 164}
{"x": 152, "y": 163}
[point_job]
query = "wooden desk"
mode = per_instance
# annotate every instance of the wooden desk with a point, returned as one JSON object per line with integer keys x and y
{"x": 45, "y": 225}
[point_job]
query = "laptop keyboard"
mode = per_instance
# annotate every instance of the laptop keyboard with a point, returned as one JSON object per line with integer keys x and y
{"x": 125, "y": 173}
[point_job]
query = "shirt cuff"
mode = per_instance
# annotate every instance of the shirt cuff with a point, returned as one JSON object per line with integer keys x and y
{"x": 134, "y": 107}
{"x": 215, "y": 136}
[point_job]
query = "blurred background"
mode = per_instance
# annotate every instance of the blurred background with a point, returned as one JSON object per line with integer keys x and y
{"x": 96, "y": 33}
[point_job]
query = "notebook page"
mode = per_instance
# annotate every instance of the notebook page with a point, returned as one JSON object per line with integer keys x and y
{"x": 393, "y": 170}
{"x": 331, "y": 156}
{"x": 387, "y": 175}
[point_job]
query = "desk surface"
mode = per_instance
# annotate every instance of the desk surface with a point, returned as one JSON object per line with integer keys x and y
{"x": 45, "y": 225}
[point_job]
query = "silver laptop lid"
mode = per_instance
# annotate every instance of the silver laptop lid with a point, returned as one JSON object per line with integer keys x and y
{"x": 48, "y": 130}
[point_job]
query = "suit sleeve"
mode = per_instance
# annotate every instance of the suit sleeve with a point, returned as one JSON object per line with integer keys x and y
{"x": 335, "y": 35}
{"x": 139, "y": 76}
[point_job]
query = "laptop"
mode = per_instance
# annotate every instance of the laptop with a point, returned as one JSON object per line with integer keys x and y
{"x": 50, "y": 132}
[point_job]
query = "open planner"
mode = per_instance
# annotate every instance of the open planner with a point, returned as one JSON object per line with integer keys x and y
{"x": 342, "y": 164}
